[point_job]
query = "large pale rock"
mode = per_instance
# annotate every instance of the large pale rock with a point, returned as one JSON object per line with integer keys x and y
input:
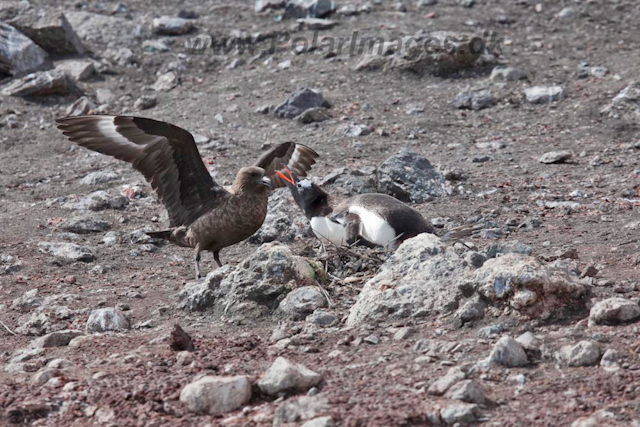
{"x": 529, "y": 343}
{"x": 99, "y": 177}
{"x": 29, "y": 300}
{"x": 444, "y": 383}
{"x": 614, "y": 311}
{"x": 467, "y": 391}
{"x": 81, "y": 106}
{"x": 460, "y": 412}
{"x": 528, "y": 286}
{"x": 37, "y": 324}
{"x": 627, "y": 101}
{"x": 106, "y": 29}
{"x": 419, "y": 279}
{"x": 77, "y": 69}
{"x": 68, "y": 251}
{"x": 585, "y": 353}
{"x": 543, "y": 94}
{"x": 551, "y": 157}
{"x": 609, "y": 360}
{"x": 166, "y": 82}
{"x": 410, "y": 177}
{"x": 51, "y": 31}
{"x": 216, "y": 395}
{"x": 508, "y": 352}
{"x": 85, "y": 224}
{"x": 286, "y": 376}
{"x": 107, "y": 319}
{"x": 18, "y": 54}
{"x": 56, "y": 339}
{"x": 97, "y": 201}
{"x": 303, "y": 301}
{"x": 254, "y": 288}
{"x": 507, "y": 74}
{"x": 44, "y": 375}
{"x": 41, "y": 83}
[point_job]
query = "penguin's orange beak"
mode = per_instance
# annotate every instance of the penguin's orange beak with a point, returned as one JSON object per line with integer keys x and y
{"x": 289, "y": 178}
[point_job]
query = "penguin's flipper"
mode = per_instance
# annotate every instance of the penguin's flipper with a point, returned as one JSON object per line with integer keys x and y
{"x": 352, "y": 225}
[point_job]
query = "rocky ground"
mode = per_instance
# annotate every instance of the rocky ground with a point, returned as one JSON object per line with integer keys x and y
{"x": 532, "y": 141}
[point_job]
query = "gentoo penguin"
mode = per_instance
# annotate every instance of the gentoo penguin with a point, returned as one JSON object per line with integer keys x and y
{"x": 202, "y": 215}
{"x": 371, "y": 218}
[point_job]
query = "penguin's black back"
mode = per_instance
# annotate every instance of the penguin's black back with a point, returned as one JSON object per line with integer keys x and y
{"x": 401, "y": 217}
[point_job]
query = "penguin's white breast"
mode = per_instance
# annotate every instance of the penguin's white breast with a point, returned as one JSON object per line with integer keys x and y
{"x": 328, "y": 230}
{"x": 373, "y": 227}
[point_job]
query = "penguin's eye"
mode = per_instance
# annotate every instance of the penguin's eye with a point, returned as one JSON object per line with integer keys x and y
{"x": 299, "y": 185}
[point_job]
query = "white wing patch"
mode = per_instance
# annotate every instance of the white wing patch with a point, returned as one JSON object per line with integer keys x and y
{"x": 373, "y": 227}
{"x": 329, "y": 231}
{"x": 294, "y": 157}
{"x": 107, "y": 128}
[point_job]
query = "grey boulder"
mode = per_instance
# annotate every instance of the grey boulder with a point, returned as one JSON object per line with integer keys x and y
{"x": 216, "y": 395}
{"x": 40, "y": 83}
{"x": 51, "y": 31}
{"x": 254, "y": 288}
{"x": 509, "y": 353}
{"x": 286, "y": 376}
{"x": 410, "y": 177}
{"x": 105, "y": 29}
{"x": 303, "y": 301}
{"x": 528, "y": 286}
{"x": 295, "y": 9}
{"x": 614, "y": 311}
{"x": 18, "y": 54}
{"x": 107, "y": 319}
{"x": 300, "y": 101}
{"x": 67, "y": 251}
{"x": 419, "y": 279}
{"x": 585, "y": 353}
{"x": 543, "y": 94}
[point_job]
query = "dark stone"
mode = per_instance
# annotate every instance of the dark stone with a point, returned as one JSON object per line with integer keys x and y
{"x": 295, "y": 9}
{"x": 299, "y": 101}
{"x": 410, "y": 177}
{"x": 180, "y": 340}
{"x": 474, "y": 100}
